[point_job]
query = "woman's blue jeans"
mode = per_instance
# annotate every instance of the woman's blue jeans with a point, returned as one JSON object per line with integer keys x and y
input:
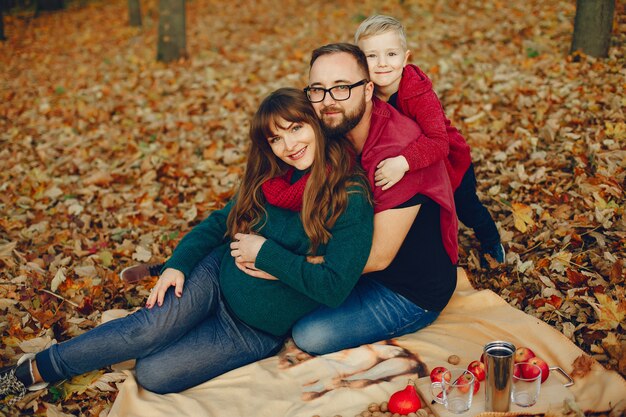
{"x": 186, "y": 341}
{"x": 371, "y": 313}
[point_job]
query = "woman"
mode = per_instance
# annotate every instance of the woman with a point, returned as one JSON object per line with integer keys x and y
{"x": 302, "y": 195}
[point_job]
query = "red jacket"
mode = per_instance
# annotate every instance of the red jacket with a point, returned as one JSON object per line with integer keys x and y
{"x": 389, "y": 133}
{"x": 441, "y": 140}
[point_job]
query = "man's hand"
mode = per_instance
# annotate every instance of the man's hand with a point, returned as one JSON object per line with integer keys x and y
{"x": 390, "y": 171}
{"x": 390, "y": 228}
{"x": 169, "y": 278}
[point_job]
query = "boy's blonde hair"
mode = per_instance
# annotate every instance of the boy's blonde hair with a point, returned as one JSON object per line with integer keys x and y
{"x": 379, "y": 24}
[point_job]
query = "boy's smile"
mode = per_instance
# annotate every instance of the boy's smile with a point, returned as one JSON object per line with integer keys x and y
{"x": 386, "y": 58}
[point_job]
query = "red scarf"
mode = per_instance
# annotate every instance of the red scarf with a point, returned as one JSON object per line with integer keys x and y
{"x": 280, "y": 192}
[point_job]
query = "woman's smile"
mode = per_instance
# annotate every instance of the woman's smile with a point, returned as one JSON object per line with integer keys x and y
{"x": 298, "y": 154}
{"x": 289, "y": 136}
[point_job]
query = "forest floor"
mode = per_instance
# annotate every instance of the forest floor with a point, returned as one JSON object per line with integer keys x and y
{"x": 107, "y": 157}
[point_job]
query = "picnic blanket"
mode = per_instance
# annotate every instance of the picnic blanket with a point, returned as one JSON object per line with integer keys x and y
{"x": 293, "y": 383}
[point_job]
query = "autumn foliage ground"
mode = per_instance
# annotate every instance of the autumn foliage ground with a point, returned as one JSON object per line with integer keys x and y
{"x": 107, "y": 158}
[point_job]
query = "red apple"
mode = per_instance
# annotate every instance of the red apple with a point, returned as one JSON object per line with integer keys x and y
{"x": 528, "y": 371}
{"x": 523, "y": 354}
{"x": 464, "y": 383}
{"x": 476, "y": 387}
{"x": 437, "y": 374}
{"x": 517, "y": 370}
{"x": 478, "y": 369}
{"x": 531, "y": 372}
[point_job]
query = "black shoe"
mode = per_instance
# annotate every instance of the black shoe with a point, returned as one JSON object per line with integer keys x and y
{"x": 14, "y": 380}
{"x": 138, "y": 272}
{"x": 17, "y": 380}
{"x": 10, "y": 386}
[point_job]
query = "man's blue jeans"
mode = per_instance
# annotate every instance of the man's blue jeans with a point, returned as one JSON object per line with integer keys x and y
{"x": 186, "y": 341}
{"x": 371, "y": 313}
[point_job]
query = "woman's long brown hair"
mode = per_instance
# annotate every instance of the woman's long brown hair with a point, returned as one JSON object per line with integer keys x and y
{"x": 325, "y": 195}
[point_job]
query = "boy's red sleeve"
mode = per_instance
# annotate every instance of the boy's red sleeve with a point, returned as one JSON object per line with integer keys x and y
{"x": 433, "y": 145}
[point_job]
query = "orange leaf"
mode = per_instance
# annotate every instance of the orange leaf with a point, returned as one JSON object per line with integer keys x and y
{"x": 98, "y": 178}
{"x": 576, "y": 278}
{"x": 616, "y": 275}
{"x": 581, "y": 366}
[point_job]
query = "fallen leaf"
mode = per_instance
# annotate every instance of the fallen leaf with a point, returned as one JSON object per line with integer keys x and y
{"x": 576, "y": 278}
{"x": 6, "y": 250}
{"x": 522, "y": 216}
{"x": 6, "y": 303}
{"x": 36, "y": 344}
{"x": 571, "y": 408}
{"x": 106, "y": 257}
{"x": 98, "y": 178}
{"x": 560, "y": 261}
{"x": 59, "y": 278}
{"x": 616, "y": 275}
{"x": 142, "y": 254}
{"x": 103, "y": 383}
{"x": 581, "y": 366}
{"x": 79, "y": 384}
{"x": 610, "y": 313}
{"x": 53, "y": 410}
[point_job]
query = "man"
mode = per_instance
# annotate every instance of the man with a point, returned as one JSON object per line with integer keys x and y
{"x": 411, "y": 271}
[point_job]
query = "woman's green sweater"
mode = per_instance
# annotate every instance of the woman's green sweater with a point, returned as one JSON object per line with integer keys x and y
{"x": 274, "y": 306}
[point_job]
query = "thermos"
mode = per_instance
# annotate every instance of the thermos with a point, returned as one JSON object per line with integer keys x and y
{"x": 498, "y": 380}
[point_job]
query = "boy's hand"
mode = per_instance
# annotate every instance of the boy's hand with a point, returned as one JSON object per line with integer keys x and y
{"x": 390, "y": 171}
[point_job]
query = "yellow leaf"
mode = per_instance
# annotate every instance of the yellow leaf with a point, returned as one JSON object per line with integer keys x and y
{"x": 106, "y": 258}
{"x": 610, "y": 313}
{"x": 523, "y": 216}
{"x": 80, "y": 383}
{"x": 6, "y": 250}
{"x": 616, "y": 131}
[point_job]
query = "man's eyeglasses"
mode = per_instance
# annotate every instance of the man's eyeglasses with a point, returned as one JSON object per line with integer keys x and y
{"x": 338, "y": 92}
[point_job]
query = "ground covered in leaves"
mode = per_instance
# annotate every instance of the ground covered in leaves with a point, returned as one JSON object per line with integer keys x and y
{"x": 107, "y": 158}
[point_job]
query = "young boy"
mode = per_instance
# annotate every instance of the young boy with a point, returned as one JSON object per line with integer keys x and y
{"x": 408, "y": 89}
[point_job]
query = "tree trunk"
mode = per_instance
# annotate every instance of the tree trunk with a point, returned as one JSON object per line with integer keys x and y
{"x": 2, "y": 37}
{"x": 592, "y": 27}
{"x": 172, "y": 42}
{"x": 134, "y": 13}
{"x": 49, "y": 5}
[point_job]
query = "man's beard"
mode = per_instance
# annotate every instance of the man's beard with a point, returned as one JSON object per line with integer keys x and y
{"x": 348, "y": 123}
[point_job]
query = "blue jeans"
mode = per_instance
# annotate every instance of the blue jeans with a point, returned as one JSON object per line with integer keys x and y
{"x": 371, "y": 313}
{"x": 186, "y": 341}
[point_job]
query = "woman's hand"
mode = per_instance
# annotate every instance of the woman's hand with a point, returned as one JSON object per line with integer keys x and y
{"x": 246, "y": 247}
{"x": 390, "y": 171}
{"x": 248, "y": 268}
{"x": 316, "y": 260}
{"x": 169, "y": 278}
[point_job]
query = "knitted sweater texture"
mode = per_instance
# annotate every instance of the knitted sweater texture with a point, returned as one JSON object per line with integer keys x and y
{"x": 275, "y": 305}
{"x": 440, "y": 140}
{"x": 389, "y": 133}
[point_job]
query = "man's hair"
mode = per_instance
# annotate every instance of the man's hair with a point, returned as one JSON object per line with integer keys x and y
{"x": 379, "y": 24}
{"x": 348, "y": 48}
